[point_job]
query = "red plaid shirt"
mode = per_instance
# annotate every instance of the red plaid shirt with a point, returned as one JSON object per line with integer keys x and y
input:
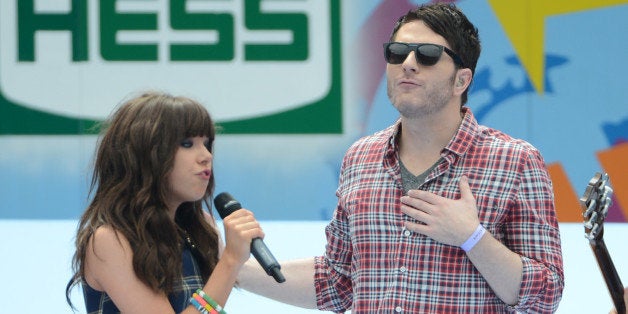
{"x": 374, "y": 265}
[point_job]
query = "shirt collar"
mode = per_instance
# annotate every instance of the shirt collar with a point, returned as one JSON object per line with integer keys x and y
{"x": 462, "y": 139}
{"x": 460, "y": 142}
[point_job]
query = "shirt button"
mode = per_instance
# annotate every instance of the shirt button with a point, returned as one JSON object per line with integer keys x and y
{"x": 403, "y": 269}
{"x": 398, "y": 309}
{"x": 407, "y": 233}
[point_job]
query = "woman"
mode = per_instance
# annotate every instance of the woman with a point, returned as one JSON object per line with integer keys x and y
{"x": 145, "y": 244}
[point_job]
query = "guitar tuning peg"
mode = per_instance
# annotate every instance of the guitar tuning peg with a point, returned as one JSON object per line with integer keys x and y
{"x": 591, "y": 207}
{"x": 594, "y": 230}
{"x": 608, "y": 191}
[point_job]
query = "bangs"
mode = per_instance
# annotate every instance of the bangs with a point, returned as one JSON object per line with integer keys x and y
{"x": 193, "y": 120}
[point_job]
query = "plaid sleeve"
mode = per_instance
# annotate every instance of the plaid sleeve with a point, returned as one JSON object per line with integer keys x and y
{"x": 534, "y": 234}
{"x": 332, "y": 277}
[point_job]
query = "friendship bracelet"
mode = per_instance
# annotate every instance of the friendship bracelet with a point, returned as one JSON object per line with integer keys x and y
{"x": 473, "y": 239}
{"x": 211, "y": 301}
{"x": 204, "y": 304}
{"x": 198, "y": 306}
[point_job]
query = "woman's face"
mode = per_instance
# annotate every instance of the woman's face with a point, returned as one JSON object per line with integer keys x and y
{"x": 191, "y": 172}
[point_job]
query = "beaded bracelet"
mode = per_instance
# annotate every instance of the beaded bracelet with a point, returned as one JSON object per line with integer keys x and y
{"x": 473, "y": 239}
{"x": 211, "y": 301}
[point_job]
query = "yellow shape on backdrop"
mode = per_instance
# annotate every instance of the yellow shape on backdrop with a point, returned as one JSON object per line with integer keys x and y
{"x": 524, "y": 24}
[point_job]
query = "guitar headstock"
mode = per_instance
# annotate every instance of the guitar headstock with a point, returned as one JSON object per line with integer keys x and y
{"x": 594, "y": 204}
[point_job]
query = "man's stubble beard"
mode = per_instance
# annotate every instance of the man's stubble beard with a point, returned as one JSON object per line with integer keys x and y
{"x": 435, "y": 100}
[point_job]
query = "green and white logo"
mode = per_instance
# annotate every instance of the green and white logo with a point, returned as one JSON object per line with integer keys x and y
{"x": 260, "y": 66}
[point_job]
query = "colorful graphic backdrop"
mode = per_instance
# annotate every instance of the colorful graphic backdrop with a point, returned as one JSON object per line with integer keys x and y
{"x": 293, "y": 84}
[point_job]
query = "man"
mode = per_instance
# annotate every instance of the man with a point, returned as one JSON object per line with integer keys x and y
{"x": 435, "y": 214}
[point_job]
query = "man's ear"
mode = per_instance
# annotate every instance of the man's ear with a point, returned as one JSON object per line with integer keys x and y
{"x": 463, "y": 80}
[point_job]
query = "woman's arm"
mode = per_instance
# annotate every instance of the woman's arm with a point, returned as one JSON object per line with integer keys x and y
{"x": 240, "y": 229}
{"x": 109, "y": 267}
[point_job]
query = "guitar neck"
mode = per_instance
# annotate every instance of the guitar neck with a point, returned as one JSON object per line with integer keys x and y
{"x": 615, "y": 287}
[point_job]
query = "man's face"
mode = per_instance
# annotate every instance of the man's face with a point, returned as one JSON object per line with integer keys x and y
{"x": 417, "y": 90}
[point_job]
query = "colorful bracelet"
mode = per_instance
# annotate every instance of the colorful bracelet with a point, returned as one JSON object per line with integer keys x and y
{"x": 198, "y": 306}
{"x": 211, "y": 301}
{"x": 473, "y": 239}
{"x": 204, "y": 303}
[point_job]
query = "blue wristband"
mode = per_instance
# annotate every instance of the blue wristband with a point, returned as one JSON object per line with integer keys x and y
{"x": 473, "y": 239}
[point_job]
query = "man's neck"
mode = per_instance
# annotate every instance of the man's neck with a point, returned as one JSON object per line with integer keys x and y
{"x": 422, "y": 139}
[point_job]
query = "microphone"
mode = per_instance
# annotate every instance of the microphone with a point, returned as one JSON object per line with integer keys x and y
{"x": 225, "y": 205}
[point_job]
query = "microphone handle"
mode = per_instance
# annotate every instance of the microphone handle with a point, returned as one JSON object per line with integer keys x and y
{"x": 225, "y": 205}
{"x": 266, "y": 259}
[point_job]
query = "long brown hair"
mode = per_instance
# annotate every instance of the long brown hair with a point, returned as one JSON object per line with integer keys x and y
{"x": 129, "y": 186}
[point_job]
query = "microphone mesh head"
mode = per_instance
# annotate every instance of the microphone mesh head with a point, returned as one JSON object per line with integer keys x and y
{"x": 226, "y": 204}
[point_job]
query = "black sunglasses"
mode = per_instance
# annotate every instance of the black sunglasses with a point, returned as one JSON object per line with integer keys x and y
{"x": 426, "y": 54}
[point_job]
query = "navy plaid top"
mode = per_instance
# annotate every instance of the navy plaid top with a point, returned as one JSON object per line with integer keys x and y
{"x": 98, "y": 302}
